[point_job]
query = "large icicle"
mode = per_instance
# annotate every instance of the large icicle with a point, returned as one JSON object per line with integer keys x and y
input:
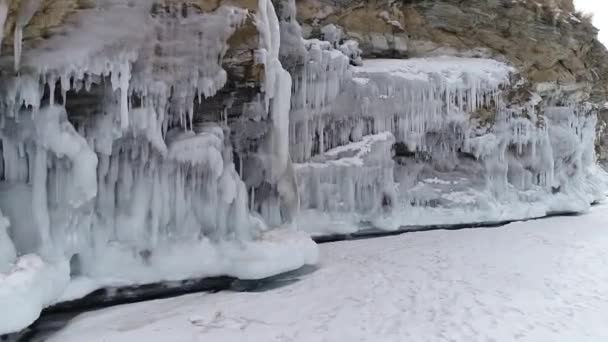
{"x": 3, "y": 17}
{"x": 277, "y": 87}
{"x": 27, "y": 9}
{"x": 277, "y": 97}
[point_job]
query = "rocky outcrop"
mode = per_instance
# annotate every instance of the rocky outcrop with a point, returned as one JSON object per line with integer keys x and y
{"x": 554, "y": 47}
{"x": 548, "y": 43}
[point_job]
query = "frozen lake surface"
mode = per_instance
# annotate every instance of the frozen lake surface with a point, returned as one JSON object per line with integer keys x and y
{"x": 541, "y": 280}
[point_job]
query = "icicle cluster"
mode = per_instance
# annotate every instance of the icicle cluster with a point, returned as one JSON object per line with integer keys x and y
{"x": 149, "y": 87}
{"x": 133, "y": 189}
{"x": 316, "y": 86}
{"x": 352, "y": 178}
{"x": 450, "y": 164}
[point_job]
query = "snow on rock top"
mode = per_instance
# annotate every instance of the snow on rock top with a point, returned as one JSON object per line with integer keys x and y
{"x": 452, "y": 71}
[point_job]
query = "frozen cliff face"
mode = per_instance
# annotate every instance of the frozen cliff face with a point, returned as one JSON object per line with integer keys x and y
{"x": 476, "y": 139}
{"x": 116, "y": 169}
{"x": 449, "y": 161}
{"x": 551, "y": 45}
{"x": 150, "y": 141}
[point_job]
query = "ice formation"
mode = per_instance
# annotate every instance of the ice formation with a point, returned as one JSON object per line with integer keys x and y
{"x": 3, "y": 17}
{"x": 525, "y": 163}
{"x": 133, "y": 190}
{"x": 137, "y": 185}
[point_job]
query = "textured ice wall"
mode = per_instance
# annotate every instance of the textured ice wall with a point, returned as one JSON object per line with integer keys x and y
{"x": 133, "y": 190}
{"x": 462, "y": 152}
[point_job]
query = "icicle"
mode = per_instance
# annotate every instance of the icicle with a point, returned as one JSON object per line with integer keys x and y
{"x": 27, "y": 9}
{"x": 3, "y": 16}
{"x": 51, "y": 84}
{"x": 65, "y": 87}
{"x": 39, "y": 197}
{"x": 125, "y": 77}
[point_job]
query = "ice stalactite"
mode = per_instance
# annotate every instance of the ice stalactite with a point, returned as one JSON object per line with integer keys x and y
{"x": 54, "y": 133}
{"x": 126, "y": 148}
{"x": 27, "y": 145}
{"x": 348, "y": 182}
{"x": 27, "y": 9}
{"x": 405, "y": 97}
{"x": 317, "y": 83}
{"x": 277, "y": 87}
{"x": 277, "y": 96}
{"x": 461, "y": 153}
{"x": 3, "y": 17}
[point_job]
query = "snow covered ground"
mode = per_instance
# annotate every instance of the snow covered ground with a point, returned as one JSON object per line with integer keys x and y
{"x": 534, "y": 281}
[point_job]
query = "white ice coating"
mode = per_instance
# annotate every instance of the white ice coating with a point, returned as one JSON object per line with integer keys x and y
{"x": 133, "y": 191}
{"x": 525, "y": 164}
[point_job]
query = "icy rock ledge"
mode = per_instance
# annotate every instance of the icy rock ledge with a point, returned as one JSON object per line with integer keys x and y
{"x": 134, "y": 189}
{"x": 458, "y": 151}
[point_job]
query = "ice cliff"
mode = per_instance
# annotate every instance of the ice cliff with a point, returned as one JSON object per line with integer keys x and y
{"x": 166, "y": 140}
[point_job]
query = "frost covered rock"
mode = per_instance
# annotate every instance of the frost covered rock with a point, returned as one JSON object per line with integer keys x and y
{"x": 451, "y": 164}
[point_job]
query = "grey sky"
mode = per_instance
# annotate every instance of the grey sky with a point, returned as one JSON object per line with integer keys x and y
{"x": 599, "y": 9}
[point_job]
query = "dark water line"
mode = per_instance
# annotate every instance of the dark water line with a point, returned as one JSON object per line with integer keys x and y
{"x": 372, "y": 232}
{"x": 58, "y": 316}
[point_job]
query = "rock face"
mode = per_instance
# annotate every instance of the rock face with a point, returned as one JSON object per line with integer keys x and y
{"x": 546, "y": 40}
{"x": 554, "y": 47}
{"x": 172, "y": 139}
